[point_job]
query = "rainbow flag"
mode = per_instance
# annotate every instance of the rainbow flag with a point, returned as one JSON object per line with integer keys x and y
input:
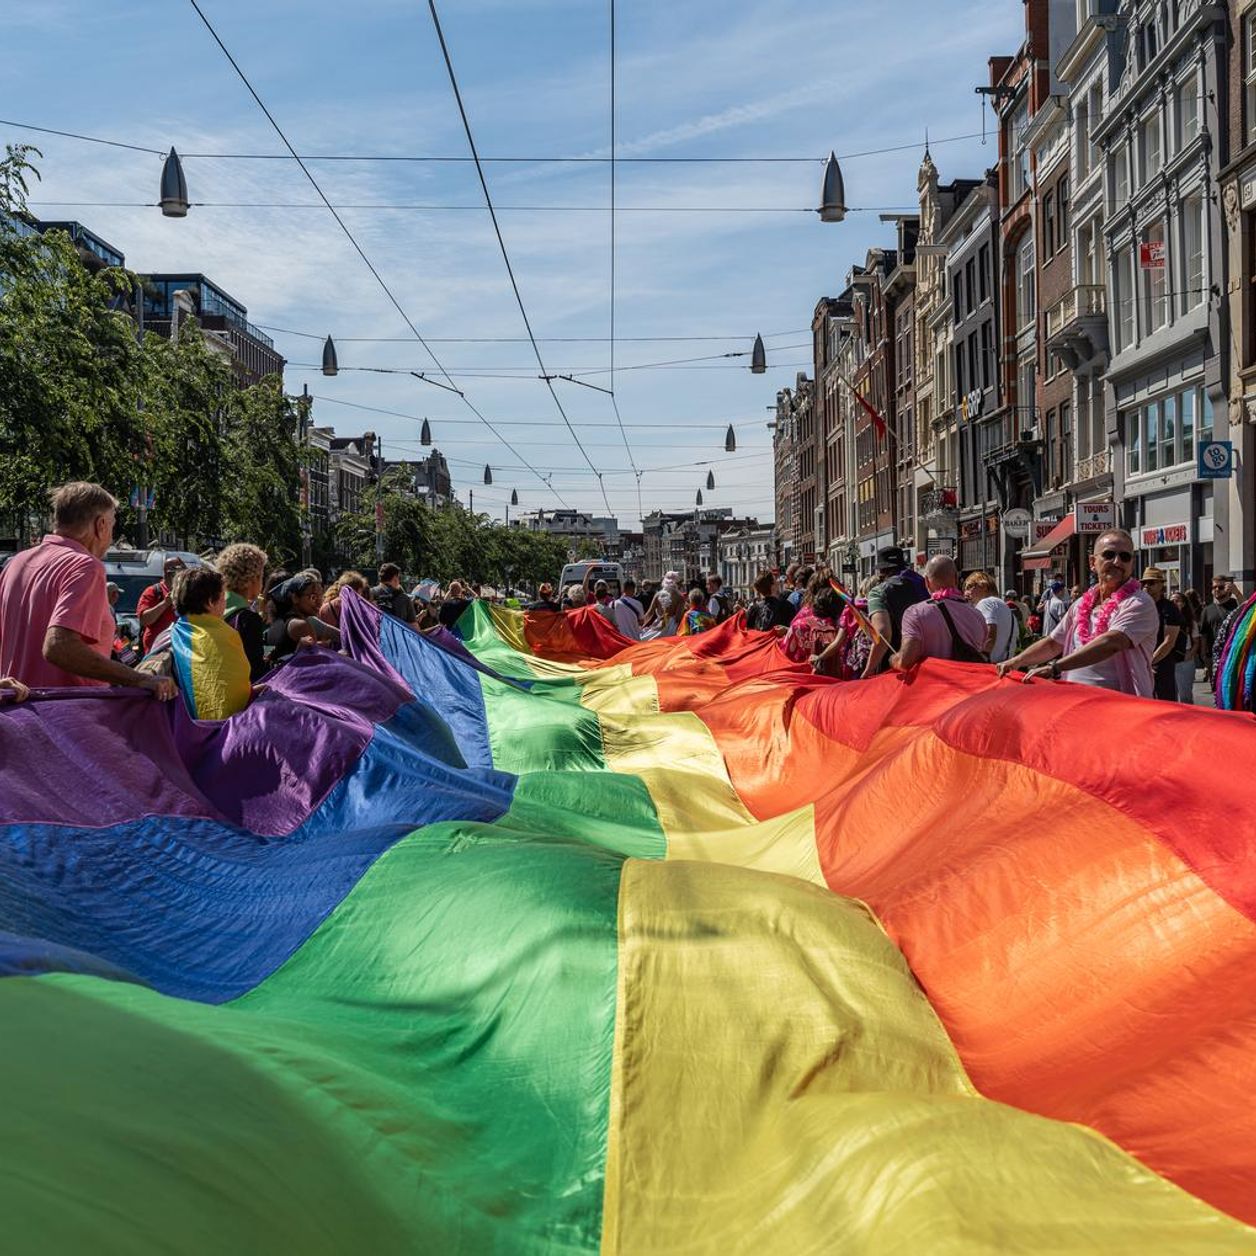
{"x": 523, "y": 939}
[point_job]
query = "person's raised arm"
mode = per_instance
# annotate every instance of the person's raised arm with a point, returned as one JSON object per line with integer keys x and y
{"x": 150, "y": 615}
{"x": 1042, "y": 651}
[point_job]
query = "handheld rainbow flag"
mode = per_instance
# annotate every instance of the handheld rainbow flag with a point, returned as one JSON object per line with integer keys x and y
{"x": 527, "y": 940}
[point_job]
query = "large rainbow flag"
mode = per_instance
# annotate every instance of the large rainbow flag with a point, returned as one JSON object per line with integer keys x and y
{"x": 526, "y": 940}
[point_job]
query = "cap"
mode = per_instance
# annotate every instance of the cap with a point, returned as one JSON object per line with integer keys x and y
{"x": 891, "y": 557}
{"x": 1152, "y": 573}
{"x": 111, "y": 587}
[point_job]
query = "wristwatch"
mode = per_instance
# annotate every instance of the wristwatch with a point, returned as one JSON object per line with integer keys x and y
{"x": 1055, "y": 669}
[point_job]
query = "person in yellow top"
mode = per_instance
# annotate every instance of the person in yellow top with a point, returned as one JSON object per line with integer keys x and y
{"x": 209, "y": 662}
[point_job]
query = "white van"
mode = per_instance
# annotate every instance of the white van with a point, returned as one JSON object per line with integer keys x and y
{"x": 594, "y": 570}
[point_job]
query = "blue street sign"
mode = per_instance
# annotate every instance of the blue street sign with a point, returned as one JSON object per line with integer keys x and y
{"x": 1216, "y": 459}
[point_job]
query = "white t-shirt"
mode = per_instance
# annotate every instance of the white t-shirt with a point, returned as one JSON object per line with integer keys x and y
{"x": 994, "y": 610}
{"x": 1130, "y": 670}
{"x": 627, "y": 612}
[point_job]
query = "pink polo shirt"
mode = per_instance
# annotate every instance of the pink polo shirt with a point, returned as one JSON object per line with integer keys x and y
{"x": 55, "y": 583}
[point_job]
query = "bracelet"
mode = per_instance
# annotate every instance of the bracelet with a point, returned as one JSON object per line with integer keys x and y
{"x": 1055, "y": 669}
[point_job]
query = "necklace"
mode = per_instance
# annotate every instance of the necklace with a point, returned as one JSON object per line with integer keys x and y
{"x": 1087, "y": 604}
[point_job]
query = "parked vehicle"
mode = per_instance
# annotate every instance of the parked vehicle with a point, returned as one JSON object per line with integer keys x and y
{"x": 134, "y": 570}
{"x": 593, "y": 571}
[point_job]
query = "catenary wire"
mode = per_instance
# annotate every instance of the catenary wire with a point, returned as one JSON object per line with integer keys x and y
{"x": 404, "y": 157}
{"x": 501, "y": 242}
{"x": 353, "y": 240}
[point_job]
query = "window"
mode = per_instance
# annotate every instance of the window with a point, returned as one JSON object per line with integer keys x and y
{"x": 983, "y": 272}
{"x": 1133, "y": 441}
{"x": 1061, "y": 213}
{"x": 1186, "y": 420}
{"x": 1081, "y": 126}
{"x": 1025, "y": 309}
{"x": 970, "y": 284}
{"x": 1170, "y": 451}
{"x": 1094, "y": 106}
{"x": 1065, "y": 464}
{"x": 1018, "y": 176}
{"x": 1249, "y": 77}
{"x": 1151, "y": 156}
{"x": 1124, "y": 297}
{"x": 1026, "y": 398}
{"x": 1151, "y": 444}
{"x": 1205, "y": 416}
{"x": 1186, "y": 112}
{"x": 1119, "y": 169}
{"x": 1192, "y": 253}
{"x": 1048, "y": 227}
{"x": 987, "y": 355}
{"x": 973, "y": 370}
{"x": 959, "y": 372}
{"x": 1155, "y": 284}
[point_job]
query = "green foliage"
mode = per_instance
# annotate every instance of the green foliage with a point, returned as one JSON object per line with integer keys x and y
{"x": 262, "y": 467}
{"x": 82, "y": 398}
{"x": 447, "y": 543}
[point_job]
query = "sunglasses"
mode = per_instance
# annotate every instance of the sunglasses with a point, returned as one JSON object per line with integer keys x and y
{"x": 1111, "y": 555}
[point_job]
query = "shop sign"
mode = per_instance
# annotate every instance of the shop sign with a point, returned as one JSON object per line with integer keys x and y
{"x": 935, "y": 545}
{"x": 1216, "y": 459}
{"x": 1016, "y": 523}
{"x": 1043, "y": 528}
{"x": 1168, "y": 534}
{"x": 1151, "y": 255}
{"x": 970, "y": 529}
{"x": 1095, "y": 517}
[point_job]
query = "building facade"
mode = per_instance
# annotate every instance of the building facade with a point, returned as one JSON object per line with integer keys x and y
{"x": 1159, "y": 139}
{"x": 742, "y": 555}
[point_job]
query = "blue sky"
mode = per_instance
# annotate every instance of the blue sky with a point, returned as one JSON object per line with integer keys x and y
{"x": 791, "y": 78}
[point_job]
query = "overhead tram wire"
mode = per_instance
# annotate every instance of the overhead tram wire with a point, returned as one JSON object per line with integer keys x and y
{"x": 714, "y": 424}
{"x": 379, "y": 279}
{"x": 403, "y": 157}
{"x": 615, "y": 400}
{"x": 523, "y": 340}
{"x": 510, "y": 270}
{"x": 521, "y": 209}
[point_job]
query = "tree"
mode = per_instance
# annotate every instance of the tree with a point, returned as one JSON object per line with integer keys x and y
{"x": 261, "y": 461}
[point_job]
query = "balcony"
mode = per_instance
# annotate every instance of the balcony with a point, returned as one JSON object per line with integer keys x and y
{"x": 1077, "y": 325}
{"x": 1095, "y": 466}
{"x": 939, "y": 506}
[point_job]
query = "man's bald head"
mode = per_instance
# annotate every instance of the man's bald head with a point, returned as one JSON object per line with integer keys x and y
{"x": 941, "y": 573}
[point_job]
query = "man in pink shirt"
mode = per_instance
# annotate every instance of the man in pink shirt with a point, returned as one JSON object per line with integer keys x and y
{"x": 56, "y": 626}
{"x": 1107, "y": 637}
{"x": 947, "y": 626}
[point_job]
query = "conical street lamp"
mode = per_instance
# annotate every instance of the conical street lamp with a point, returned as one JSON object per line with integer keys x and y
{"x": 330, "y": 365}
{"x": 710, "y": 480}
{"x": 488, "y": 474}
{"x": 758, "y": 357}
{"x": 425, "y": 433}
{"x": 832, "y": 192}
{"x": 174, "y": 188}
{"x": 514, "y": 496}
{"x": 730, "y": 440}
{"x": 697, "y": 501}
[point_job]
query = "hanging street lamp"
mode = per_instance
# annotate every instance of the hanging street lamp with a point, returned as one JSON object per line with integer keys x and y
{"x": 697, "y": 501}
{"x": 758, "y": 357}
{"x": 710, "y": 480}
{"x": 488, "y": 474}
{"x": 174, "y": 188}
{"x": 832, "y": 192}
{"x": 330, "y": 365}
{"x": 514, "y": 496}
{"x": 730, "y": 440}
{"x": 425, "y": 433}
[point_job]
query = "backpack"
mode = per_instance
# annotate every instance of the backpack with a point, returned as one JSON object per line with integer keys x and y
{"x": 857, "y": 653}
{"x": 961, "y": 651}
{"x": 721, "y": 600}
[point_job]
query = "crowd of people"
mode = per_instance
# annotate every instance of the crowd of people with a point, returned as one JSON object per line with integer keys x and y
{"x": 232, "y": 620}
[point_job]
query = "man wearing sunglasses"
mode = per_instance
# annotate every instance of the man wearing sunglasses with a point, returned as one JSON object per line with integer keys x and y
{"x": 1107, "y": 636}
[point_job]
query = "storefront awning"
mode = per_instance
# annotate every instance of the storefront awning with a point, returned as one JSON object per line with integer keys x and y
{"x": 1037, "y": 564}
{"x": 1052, "y": 541}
